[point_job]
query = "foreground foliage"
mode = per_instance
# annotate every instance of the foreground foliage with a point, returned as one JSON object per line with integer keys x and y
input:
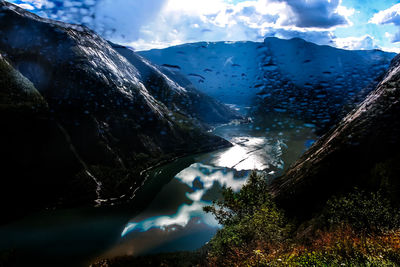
{"x": 355, "y": 229}
{"x": 366, "y": 212}
{"x": 182, "y": 259}
{"x": 359, "y": 228}
{"x": 249, "y": 218}
{"x": 340, "y": 247}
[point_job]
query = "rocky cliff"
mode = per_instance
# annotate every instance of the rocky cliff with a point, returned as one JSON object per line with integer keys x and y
{"x": 362, "y": 151}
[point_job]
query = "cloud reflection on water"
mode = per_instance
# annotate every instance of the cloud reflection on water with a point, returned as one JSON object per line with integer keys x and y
{"x": 176, "y": 213}
{"x": 201, "y": 179}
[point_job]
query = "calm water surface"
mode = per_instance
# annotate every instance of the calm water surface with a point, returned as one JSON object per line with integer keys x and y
{"x": 168, "y": 214}
{"x": 175, "y": 220}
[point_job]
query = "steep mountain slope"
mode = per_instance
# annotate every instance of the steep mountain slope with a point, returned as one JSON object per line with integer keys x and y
{"x": 37, "y": 161}
{"x": 226, "y": 71}
{"x": 98, "y": 126}
{"x": 363, "y": 150}
{"x": 310, "y": 81}
{"x": 176, "y": 92}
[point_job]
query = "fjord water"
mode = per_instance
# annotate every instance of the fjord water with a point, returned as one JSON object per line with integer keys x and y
{"x": 167, "y": 212}
{"x": 175, "y": 221}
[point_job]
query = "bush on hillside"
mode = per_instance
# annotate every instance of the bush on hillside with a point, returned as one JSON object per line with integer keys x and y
{"x": 250, "y": 220}
{"x": 367, "y": 212}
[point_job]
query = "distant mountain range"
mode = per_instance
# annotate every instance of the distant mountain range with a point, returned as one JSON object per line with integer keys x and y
{"x": 319, "y": 84}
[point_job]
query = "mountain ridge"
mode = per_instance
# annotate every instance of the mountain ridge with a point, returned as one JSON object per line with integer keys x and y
{"x": 361, "y": 151}
{"x": 318, "y": 84}
{"x": 101, "y": 126}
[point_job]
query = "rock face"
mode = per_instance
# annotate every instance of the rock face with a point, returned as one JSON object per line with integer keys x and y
{"x": 178, "y": 93}
{"x": 362, "y": 151}
{"x": 318, "y": 84}
{"x": 79, "y": 122}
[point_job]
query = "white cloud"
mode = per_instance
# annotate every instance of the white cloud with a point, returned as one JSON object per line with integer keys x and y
{"x": 210, "y": 20}
{"x": 194, "y": 7}
{"x": 345, "y": 12}
{"x": 389, "y": 35}
{"x": 215, "y": 20}
{"x": 37, "y": 4}
{"x": 391, "y": 49}
{"x": 145, "y": 24}
{"x": 365, "y": 42}
{"x": 122, "y": 20}
{"x": 389, "y": 16}
{"x": 26, "y": 6}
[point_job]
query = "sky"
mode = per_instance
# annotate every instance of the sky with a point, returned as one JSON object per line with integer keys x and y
{"x": 147, "y": 24}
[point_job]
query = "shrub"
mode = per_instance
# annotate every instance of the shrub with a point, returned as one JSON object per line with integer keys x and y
{"x": 251, "y": 220}
{"x": 344, "y": 247}
{"x": 368, "y": 212}
{"x": 363, "y": 230}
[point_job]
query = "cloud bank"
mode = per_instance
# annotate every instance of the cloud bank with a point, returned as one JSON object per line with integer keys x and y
{"x": 316, "y": 14}
{"x": 183, "y": 21}
{"x": 389, "y": 16}
{"x": 365, "y": 42}
{"x": 146, "y": 24}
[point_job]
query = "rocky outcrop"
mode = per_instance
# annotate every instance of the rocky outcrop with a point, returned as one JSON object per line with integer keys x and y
{"x": 79, "y": 124}
{"x": 362, "y": 151}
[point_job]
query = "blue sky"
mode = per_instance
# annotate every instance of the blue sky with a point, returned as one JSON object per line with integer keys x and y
{"x": 145, "y": 24}
{"x": 364, "y": 12}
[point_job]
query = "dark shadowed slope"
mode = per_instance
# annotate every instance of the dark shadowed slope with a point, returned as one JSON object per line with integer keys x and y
{"x": 363, "y": 150}
{"x": 93, "y": 126}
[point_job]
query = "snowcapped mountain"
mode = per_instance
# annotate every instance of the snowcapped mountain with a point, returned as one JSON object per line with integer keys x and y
{"x": 285, "y": 76}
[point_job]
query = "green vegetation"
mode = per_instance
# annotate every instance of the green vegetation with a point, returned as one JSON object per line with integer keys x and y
{"x": 250, "y": 218}
{"x": 181, "y": 259}
{"x": 369, "y": 212}
{"x": 340, "y": 247}
{"x": 355, "y": 229}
